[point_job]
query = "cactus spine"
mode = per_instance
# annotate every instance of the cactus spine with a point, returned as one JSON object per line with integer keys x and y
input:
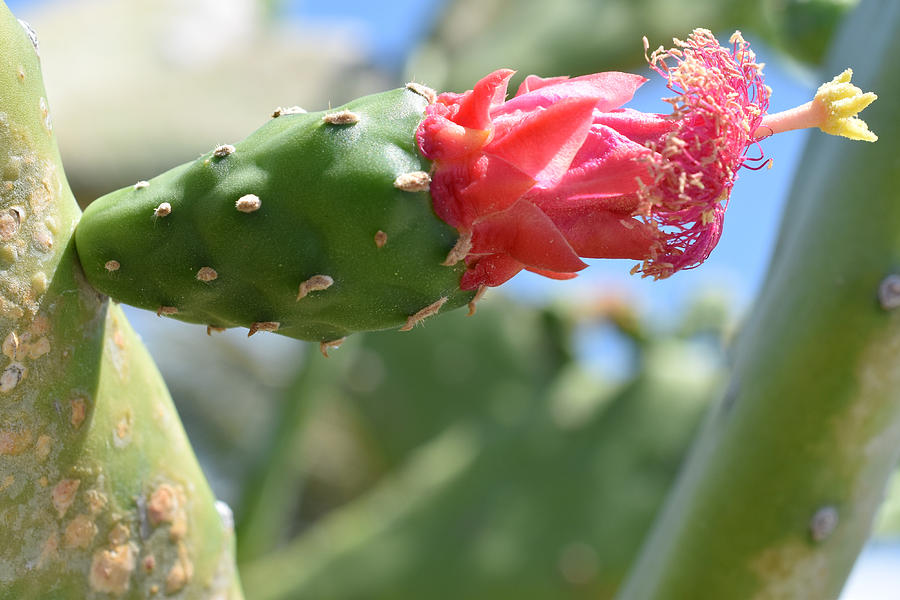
{"x": 315, "y": 226}
{"x": 100, "y": 494}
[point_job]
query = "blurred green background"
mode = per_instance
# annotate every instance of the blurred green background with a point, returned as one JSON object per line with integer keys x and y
{"x": 519, "y": 453}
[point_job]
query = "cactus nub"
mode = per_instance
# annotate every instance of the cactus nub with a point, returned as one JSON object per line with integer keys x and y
{"x": 291, "y": 215}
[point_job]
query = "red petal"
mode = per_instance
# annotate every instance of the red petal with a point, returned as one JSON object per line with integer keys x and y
{"x": 528, "y": 235}
{"x": 543, "y": 143}
{"x": 463, "y": 191}
{"x": 491, "y": 271}
{"x": 475, "y": 108}
{"x": 440, "y": 138}
{"x": 596, "y": 233}
{"x": 552, "y": 274}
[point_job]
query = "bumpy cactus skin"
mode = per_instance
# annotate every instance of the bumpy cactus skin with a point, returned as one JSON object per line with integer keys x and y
{"x": 100, "y": 494}
{"x": 303, "y": 228}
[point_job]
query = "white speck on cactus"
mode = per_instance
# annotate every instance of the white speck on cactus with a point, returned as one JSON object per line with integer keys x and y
{"x": 141, "y": 185}
{"x": 291, "y": 110}
{"x": 823, "y": 523}
{"x": 223, "y": 150}
{"x": 207, "y": 274}
{"x": 11, "y": 376}
{"x": 314, "y": 284}
{"x": 112, "y": 265}
{"x": 248, "y": 203}
{"x": 889, "y": 292}
{"x": 263, "y": 326}
{"x": 341, "y": 117}
{"x": 431, "y": 309}
{"x": 162, "y": 210}
{"x": 415, "y": 181}
{"x": 422, "y": 90}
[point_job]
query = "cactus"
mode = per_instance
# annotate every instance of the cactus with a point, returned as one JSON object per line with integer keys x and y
{"x": 781, "y": 487}
{"x": 100, "y": 494}
{"x": 323, "y": 213}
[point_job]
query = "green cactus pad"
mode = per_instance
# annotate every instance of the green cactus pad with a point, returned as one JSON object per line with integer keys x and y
{"x": 315, "y": 226}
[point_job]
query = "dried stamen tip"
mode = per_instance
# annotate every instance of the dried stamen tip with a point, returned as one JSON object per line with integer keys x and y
{"x": 422, "y": 90}
{"x": 423, "y": 314}
{"x": 141, "y": 185}
{"x": 263, "y": 326}
{"x": 478, "y": 296}
{"x": 112, "y": 265}
{"x": 166, "y": 310}
{"x": 162, "y": 210}
{"x": 207, "y": 274}
{"x": 460, "y": 250}
{"x": 211, "y": 328}
{"x": 416, "y": 181}
{"x": 223, "y": 150}
{"x": 248, "y": 203}
{"x": 314, "y": 284}
{"x": 332, "y": 344}
{"x": 291, "y": 110}
{"x": 341, "y": 117}
{"x": 380, "y": 239}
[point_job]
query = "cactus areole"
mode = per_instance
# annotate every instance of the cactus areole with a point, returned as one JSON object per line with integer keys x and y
{"x": 400, "y": 205}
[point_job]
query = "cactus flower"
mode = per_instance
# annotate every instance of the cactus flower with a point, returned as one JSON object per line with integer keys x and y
{"x": 397, "y": 206}
{"x": 561, "y": 171}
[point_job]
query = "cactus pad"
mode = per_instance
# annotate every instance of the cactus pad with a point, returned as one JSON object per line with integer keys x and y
{"x": 315, "y": 226}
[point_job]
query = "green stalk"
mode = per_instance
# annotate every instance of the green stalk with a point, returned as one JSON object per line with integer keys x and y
{"x": 100, "y": 493}
{"x": 780, "y": 490}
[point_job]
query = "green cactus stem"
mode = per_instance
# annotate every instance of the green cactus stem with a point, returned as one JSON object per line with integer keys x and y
{"x": 100, "y": 494}
{"x": 315, "y": 226}
{"x": 781, "y": 488}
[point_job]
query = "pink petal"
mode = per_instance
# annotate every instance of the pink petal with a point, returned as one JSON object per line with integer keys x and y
{"x": 608, "y": 163}
{"x": 542, "y": 144}
{"x": 528, "y": 235}
{"x": 475, "y": 108}
{"x": 609, "y": 90}
{"x": 637, "y": 126}
{"x": 535, "y": 82}
{"x": 492, "y": 270}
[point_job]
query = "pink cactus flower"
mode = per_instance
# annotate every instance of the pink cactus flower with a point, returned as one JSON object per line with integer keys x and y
{"x": 561, "y": 171}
